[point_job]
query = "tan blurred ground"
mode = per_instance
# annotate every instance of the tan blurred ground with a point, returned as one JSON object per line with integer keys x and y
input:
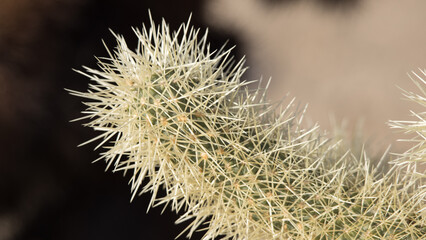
{"x": 345, "y": 63}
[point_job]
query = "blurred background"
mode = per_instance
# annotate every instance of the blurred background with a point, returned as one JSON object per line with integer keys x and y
{"x": 343, "y": 57}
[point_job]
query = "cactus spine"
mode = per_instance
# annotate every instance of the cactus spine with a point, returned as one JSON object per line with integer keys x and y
{"x": 178, "y": 114}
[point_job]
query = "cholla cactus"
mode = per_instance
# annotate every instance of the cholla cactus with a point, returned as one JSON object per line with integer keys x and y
{"x": 415, "y": 158}
{"x": 178, "y": 114}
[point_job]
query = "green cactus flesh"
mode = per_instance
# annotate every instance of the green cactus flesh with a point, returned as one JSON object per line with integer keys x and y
{"x": 178, "y": 115}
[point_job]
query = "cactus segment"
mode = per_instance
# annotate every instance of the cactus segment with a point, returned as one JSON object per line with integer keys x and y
{"x": 177, "y": 114}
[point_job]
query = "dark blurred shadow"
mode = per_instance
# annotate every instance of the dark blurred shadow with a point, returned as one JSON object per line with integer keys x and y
{"x": 328, "y": 4}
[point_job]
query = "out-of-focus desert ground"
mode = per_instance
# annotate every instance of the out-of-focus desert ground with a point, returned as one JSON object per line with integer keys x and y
{"x": 343, "y": 57}
{"x": 345, "y": 62}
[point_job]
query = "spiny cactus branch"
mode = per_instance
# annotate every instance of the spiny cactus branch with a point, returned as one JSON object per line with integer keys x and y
{"x": 179, "y": 115}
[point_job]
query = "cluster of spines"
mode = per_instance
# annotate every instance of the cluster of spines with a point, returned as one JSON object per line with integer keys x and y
{"x": 415, "y": 157}
{"x": 175, "y": 113}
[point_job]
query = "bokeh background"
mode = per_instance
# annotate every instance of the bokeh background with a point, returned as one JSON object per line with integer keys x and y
{"x": 343, "y": 57}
